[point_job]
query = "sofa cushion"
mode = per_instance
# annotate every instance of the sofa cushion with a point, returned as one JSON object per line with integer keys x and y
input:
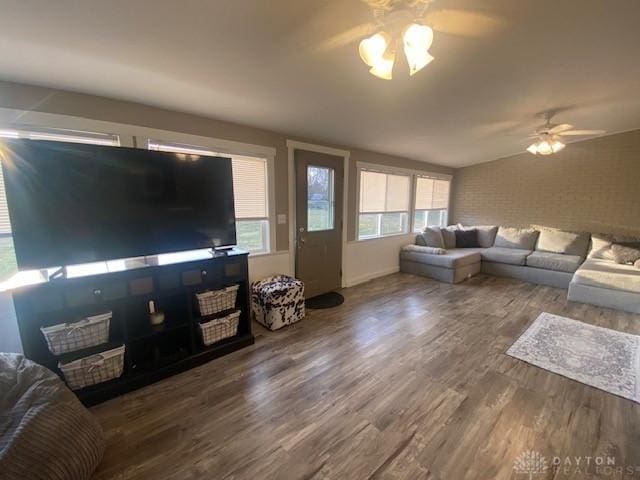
{"x": 559, "y": 241}
{"x": 512, "y": 256}
{"x": 467, "y": 239}
{"x": 521, "y": 238}
{"x": 454, "y": 258}
{"x": 554, "y": 261}
{"x": 598, "y": 272}
{"x": 624, "y": 253}
{"x": 433, "y": 237}
{"x": 449, "y": 237}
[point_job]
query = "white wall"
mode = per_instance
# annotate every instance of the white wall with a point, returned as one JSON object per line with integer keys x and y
{"x": 364, "y": 260}
{"x": 368, "y": 259}
{"x": 261, "y": 266}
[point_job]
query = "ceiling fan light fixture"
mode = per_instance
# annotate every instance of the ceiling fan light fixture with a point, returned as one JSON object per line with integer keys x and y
{"x": 383, "y": 67}
{"x": 545, "y": 148}
{"x": 557, "y": 145}
{"x": 417, "y": 39}
{"x": 373, "y": 48}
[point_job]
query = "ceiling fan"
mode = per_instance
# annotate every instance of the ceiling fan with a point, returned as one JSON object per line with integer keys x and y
{"x": 406, "y": 26}
{"x": 549, "y": 136}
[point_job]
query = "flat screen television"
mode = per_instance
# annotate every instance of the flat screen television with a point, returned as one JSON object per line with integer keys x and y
{"x": 73, "y": 203}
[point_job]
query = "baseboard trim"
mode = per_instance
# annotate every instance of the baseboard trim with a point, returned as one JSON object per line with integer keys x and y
{"x": 352, "y": 282}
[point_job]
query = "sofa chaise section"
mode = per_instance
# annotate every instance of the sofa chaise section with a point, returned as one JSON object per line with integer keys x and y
{"x": 605, "y": 283}
{"x": 454, "y": 266}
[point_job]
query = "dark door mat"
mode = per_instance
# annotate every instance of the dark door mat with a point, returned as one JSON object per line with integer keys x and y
{"x": 326, "y": 300}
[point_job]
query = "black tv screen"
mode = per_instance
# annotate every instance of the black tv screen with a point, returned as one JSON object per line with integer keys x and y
{"x": 73, "y": 203}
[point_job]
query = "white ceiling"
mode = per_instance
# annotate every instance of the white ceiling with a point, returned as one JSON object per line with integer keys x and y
{"x": 274, "y": 64}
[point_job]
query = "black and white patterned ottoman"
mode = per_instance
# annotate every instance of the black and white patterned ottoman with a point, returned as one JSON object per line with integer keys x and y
{"x": 277, "y": 301}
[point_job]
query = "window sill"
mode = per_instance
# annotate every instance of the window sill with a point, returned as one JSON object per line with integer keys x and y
{"x": 268, "y": 254}
{"x": 395, "y": 235}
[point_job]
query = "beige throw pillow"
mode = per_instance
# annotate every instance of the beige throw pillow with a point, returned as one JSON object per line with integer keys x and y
{"x": 560, "y": 241}
{"x": 521, "y": 238}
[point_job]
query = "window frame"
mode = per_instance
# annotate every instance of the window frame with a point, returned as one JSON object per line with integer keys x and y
{"x": 210, "y": 149}
{"x": 413, "y": 176}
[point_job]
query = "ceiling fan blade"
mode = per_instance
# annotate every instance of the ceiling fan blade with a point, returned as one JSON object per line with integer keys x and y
{"x": 465, "y": 23}
{"x": 347, "y": 37}
{"x": 561, "y": 128}
{"x": 582, "y": 132}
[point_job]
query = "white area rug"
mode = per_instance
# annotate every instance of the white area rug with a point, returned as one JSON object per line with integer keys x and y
{"x": 600, "y": 357}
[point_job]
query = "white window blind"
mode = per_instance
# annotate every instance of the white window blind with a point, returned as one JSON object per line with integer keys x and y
{"x": 5, "y": 224}
{"x": 431, "y": 202}
{"x": 250, "y": 187}
{"x": 250, "y": 180}
{"x": 384, "y": 204}
{"x": 431, "y": 193}
{"x": 383, "y": 192}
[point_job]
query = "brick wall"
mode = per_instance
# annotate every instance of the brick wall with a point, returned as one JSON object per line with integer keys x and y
{"x": 592, "y": 185}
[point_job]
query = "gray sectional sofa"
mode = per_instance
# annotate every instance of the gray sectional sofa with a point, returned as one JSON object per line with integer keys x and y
{"x": 539, "y": 255}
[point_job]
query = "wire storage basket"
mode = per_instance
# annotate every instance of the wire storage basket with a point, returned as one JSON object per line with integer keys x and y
{"x": 69, "y": 337}
{"x": 93, "y": 369}
{"x": 220, "y": 328}
{"x": 217, "y": 301}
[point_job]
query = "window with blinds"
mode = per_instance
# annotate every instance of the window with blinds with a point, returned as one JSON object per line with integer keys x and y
{"x": 250, "y": 190}
{"x": 431, "y": 203}
{"x": 384, "y": 204}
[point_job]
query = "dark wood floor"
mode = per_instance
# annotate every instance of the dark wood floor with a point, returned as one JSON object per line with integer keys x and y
{"x": 407, "y": 380}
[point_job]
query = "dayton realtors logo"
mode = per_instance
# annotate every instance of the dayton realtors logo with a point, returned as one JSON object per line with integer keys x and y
{"x": 530, "y": 463}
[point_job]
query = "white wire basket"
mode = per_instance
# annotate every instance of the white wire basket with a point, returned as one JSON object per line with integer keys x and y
{"x": 93, "y": 369}
{"x": 217, "y": 301}
{"x": 85, "y": 333}
{"x": 219, "y": 328}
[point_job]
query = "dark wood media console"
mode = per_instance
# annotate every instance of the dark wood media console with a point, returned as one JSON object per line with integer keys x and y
{"x": 151, "y": 352}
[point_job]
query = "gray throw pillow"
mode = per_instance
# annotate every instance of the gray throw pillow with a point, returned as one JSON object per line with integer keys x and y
{"x": 420, "y": 241}
{"x": 486, "y": 234}
{"x": 449, "y": 237}
{"x": 624, "y": 254}
{"x": 433, "y": 237}
{"x": 467, "y": 239}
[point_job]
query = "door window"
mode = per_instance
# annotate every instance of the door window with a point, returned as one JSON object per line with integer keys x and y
{"x": 320, "y": 198}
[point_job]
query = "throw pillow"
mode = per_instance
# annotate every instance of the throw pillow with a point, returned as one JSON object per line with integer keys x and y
{"x": 637, "y": 264}
{"x": 522, "y": 238}
{"x": 449, "y": 236}
{"x": 486, "y": 234}
{"x": 625, "y": 254}
{"x": 421, "y": 249}
{"x": 561, "y": 241}
{"x": 420, "y": 241}
{"x": 467, "y": 239}
{"x": 433, "y": 237}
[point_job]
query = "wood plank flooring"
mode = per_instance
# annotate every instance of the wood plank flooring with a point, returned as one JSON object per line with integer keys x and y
{"x": 406, "y": 380}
